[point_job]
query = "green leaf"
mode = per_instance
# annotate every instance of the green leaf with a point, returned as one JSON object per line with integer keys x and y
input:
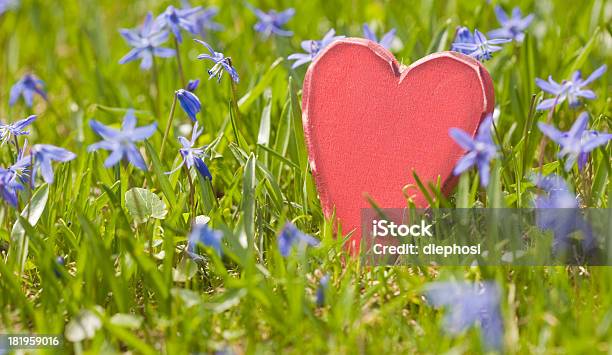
{"x": 32, "y": 213}
{"x": 125, "y": 320}
{"x": 248, "y": 197}
{"x": 162, "y": 178}
{"x": 438, "y": 42}
{"x": 143, "y": 204}
{"x": 245, "y": 102}
{"x": 188, "y": 297}
{"x": 582, "y": 54}
{"x": 263, "y": 137}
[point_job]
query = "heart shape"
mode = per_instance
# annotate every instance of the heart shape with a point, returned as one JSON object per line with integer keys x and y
{"x": 369, "y": 122}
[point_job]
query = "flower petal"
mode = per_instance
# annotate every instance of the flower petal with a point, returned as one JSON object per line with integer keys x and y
{"x": 596, "y": 74}
{"x": 550, "y": 131}
{"x": 144, "y": 132}
{"x": 579, "y": 126}
{"x": 462, "y": 138}
{"x": 103, "y": 130}
{"x": 136, "y": 158}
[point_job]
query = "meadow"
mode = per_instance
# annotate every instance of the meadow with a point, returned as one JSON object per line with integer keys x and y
{"x": 99, "y": 252}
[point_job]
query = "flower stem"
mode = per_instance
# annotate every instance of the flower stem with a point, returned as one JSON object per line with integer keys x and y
{"x": 16, "y": 142}
{"x": 31, "y": 185}
{"x": 168, "y": 125}
{"x": 235, "y": 101}
{"x": 191, "y": 192}
{"x": 180, "y": 64}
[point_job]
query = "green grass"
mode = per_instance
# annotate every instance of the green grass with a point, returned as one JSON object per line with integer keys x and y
{"x": 253, "y": 300}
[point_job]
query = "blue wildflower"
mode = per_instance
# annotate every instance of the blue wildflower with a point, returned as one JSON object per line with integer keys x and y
{"x": 22, "y": 166}
{"x": 43, "y": 155}
{"x": 590, "y": 137}
{"x": 189, "y": 102}
{"x": 59, "y": 264}
{"x": 27, "y": 86}
{"x": 174, "y": 19}
{"x": 8, "y": 130}
{"x": 470, "y": 305}
{"x": 513, "y": 27}
{"x": 480, "y": 150}
{"x": 9, "y": 186}
{"x": 291, "y": 236}
{"x": 193, "y": 156}
{"x": 558, "y": 193}
{"x": 558, "y": 211}
{"x": 221, "y": 63}
{"x": 203, "y": 19}
{"x": 385, "y": 40}
{"x": 462, "y": 35}
{"x": 313, "y": 48}
{"x": 476, "y": 46}
{"x": 570, "y": 90}
{"x": 146, "y": 42}
{"x": 321, "y": 290}
{"x": 122, "y": 143}
{"x": 576, "y": 143}
{"x": 271, "y": 22}
{"x": 192, "y": 85}
{"x": 207, "y": 237}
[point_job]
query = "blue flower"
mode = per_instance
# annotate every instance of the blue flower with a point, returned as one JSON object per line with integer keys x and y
{"x": 193, "y": 156}
{"x": 470, "y": 305}
{"x": 204, "y": 22}
{"x": 558, "y": 211}
{"x": 290, "y": 236}
{"x": 192, "y": 85}
{"x": 571, "y": 90}
{"x": 321, "y": 290}
{"x": 271, "y": 22}
{"x": 22, "y": 165}
{"x": 462, "y": 35}
{"x": 43, "y": 155}
{"x": 558, "y": 193}
{"x": 58, "y": 266}
{"x": 208, "y": 237}
{"x": 221, "y": 63}
{"x": 203, "y": 19}
{"x": 27, "y": 87}
{"x": 386, "y": 39}
{"x": 8, "y": 130}
{"x": 577, "y": 142}
{"x": 189, "y": 102}
{"x": 476, "y": 46}
{"x": 9, "y": 186}
{"x": 513, "y": 27}
{"x": 146, "y": 43}
{"x": 175, "y": 19}
{"x": 480, "y": 150}
{"x": 313, "y": 48}
{"x": 121, "y": 143}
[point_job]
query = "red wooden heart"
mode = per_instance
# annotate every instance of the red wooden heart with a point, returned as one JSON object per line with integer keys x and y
{"x": 369, "y": 122}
